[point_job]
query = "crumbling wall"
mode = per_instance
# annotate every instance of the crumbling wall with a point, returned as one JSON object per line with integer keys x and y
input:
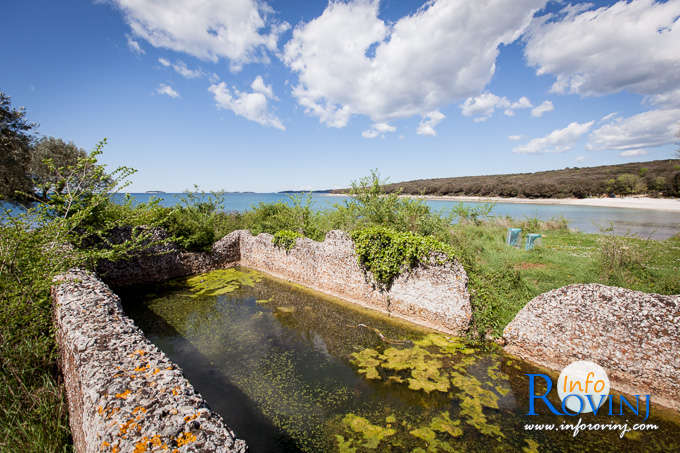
{"x": 123, "y": 393}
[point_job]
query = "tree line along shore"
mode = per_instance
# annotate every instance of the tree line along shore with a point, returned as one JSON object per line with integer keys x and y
{"x": 658, "y": 178}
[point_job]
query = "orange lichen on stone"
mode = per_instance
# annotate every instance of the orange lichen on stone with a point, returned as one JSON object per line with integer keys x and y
{"x": 123, "y": 395}
{"x": 104, "y": 445}
{"x": 142, "y": 368}
{"x": 188, "y": 418}
{"x": 185, "y": 438}
{"x": 140, "y": 352}
{"x": 140, "y": 447}
{"x": 115, "y": 449}
{"x": 138, "y": 409}
{"x": 156, "y": 371}
{"x": 128, "y": 425}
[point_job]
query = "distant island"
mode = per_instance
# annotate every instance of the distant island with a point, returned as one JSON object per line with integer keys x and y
{"x": 154, "y": 191}
{"x": 658, "y": 178}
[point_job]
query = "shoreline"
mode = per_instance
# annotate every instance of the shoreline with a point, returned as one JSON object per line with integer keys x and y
{"x": 655, "y": 204}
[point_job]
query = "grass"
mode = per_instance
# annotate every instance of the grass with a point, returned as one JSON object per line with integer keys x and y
{"x": 502, "y": 279}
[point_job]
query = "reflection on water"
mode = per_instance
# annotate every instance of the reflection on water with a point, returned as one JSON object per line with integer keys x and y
{"x": 291, "y": 371}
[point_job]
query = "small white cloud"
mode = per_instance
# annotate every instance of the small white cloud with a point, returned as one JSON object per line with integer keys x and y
{"x": 259, "y": 86}
{"x": 607, "y": 117}
{"x": 182, "y": 69}
{"x": 546, "y": 106}
{"x": 633, "y": 153}
{"x": 167, "y": 90}
{"x": 134, "y": 46}
{"x": 514, "y": 138}
{"x": 378, "y": 129}
{"x": 484, "y": 106}
{"x": 644, "y": 130}
{"x": 558, "y": 141}
{"x": 580, "y": 158}
{"x": 429, "y": 122}
{"x": 253, "y": 106}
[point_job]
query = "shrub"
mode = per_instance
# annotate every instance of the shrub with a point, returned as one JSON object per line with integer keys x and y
{"x": 386, "y": 253}
{"x": 286, "y": 239}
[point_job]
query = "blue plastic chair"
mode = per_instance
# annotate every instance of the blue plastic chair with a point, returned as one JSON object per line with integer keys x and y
{"x": 513, "y": 236}
{"x": 531, "y": 240}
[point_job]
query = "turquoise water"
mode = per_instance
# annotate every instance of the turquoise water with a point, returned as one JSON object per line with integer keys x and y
{"x": 588, "y": 219}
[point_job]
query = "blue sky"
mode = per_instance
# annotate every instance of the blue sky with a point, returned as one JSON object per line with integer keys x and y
{"x": 267, "y": 96}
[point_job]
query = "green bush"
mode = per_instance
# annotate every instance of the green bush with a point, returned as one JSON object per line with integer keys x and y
{"x": 286, "y": 239}
{"x": 69, "y": 229}
{"x": 386, "y": 253}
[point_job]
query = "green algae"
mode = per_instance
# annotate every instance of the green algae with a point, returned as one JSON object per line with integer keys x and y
{"x": 443, "y": 424}
{"x": 367, "y": 361}
{"x": 306, "y": 370}
{"x": 372, "y": 434}
{"x": 221, "y": 282}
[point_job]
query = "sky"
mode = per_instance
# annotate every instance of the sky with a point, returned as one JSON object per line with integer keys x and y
{"x": 269, "y": 95}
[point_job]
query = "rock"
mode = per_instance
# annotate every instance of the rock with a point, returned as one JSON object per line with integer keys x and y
{"x": 431, "y": 295}
{"x": 112, "y": 376}
{"x": 634, "y": 336}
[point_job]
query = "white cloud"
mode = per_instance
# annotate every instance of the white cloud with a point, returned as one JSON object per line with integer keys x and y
{"x": 545, "y": 107}
{"x": 633, "y": 153}
{"x": 241, "y": 30}
{"x": 259, "y": 86}
{"x": 378, "y": 129}
{"x": 607, "y": 117}
{"x": 429, "y": 122}
{"x": 349, "y": 61}
{"x": 514, "y": 138}
{"x": 182, "y": 69}
{"x": 253, "y": 106}
{"x": 580, "y": 158}
{"x": 558, "y": 141}
{"x": 134, "y": 46}
{"x": 484, "y": 105}
{"x": 633, "y": 46}
{"x": 167, "y": 90}
{"x": 644, "y": 130}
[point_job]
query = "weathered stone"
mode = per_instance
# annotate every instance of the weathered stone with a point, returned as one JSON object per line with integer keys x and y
{"x": 634, "y": 336}
{"x": 122, "y": 391}
{"x": 157, "y": 263}
{"x": 431, "y": 295}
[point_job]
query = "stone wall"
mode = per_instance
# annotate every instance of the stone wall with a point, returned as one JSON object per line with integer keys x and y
{"x": 434, "y": 295}
{"x": 634, "y": 336}
{"x": 123, "y": 393}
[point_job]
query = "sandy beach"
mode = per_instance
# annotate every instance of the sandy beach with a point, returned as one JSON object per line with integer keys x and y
{"x": 657, "y": 204}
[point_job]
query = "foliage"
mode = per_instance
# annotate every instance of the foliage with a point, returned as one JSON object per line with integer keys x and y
{"x": 386, "y": 252}
{"x": 297, "y": 215}
{"x": 50, "y": 157}
{"x": 569, "y": 182}
{"x": 198, "y": 221}
{"x": 285, "y": 239}
{"x": 70, "y": 229}
{"x": 369, "y": 205}
{"x": 15, "y": 143}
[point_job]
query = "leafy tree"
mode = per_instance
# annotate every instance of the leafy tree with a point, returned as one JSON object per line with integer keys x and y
{"x": 50, "y": 157}
{"x": 15, "y": 144}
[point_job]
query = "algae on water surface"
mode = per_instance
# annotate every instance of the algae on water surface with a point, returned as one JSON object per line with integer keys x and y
{"x": 291, "y": 371}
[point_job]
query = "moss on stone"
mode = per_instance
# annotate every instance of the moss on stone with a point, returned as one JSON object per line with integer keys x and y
{"x": 222, "y": 281}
